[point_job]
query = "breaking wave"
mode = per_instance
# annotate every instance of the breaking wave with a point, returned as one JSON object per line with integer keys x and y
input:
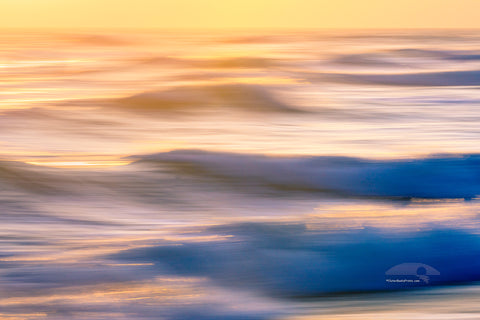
{"x": 456, "y": 176}
{"x": 293, "y": 260}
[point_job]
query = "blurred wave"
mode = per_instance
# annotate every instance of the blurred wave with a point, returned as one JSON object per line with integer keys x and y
{"x": 431, "y": 177}
{"x": 26, "y": 178}
{"x": 409, "y": 178}
{"x": 433, "y": 79}
{"x": 291, "y": 260}
{"x": 254, "y": 98}
{"x": 396, "y": 58}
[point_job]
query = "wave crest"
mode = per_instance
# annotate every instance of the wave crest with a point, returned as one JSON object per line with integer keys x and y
{"x": 190, "y": 98}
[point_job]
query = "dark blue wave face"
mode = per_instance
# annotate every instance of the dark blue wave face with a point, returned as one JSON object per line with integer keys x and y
{"x": 291, "y": 260}
{"x": 456, "y": 176}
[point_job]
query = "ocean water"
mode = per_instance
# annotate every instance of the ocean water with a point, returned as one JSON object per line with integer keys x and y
{"x": 240, "y": 175}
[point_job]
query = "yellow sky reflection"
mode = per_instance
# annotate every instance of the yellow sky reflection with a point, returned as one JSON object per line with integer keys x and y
{"x": 240, "y": 13}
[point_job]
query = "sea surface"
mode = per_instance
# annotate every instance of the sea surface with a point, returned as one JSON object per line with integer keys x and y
{"x": 242, "y": 175}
